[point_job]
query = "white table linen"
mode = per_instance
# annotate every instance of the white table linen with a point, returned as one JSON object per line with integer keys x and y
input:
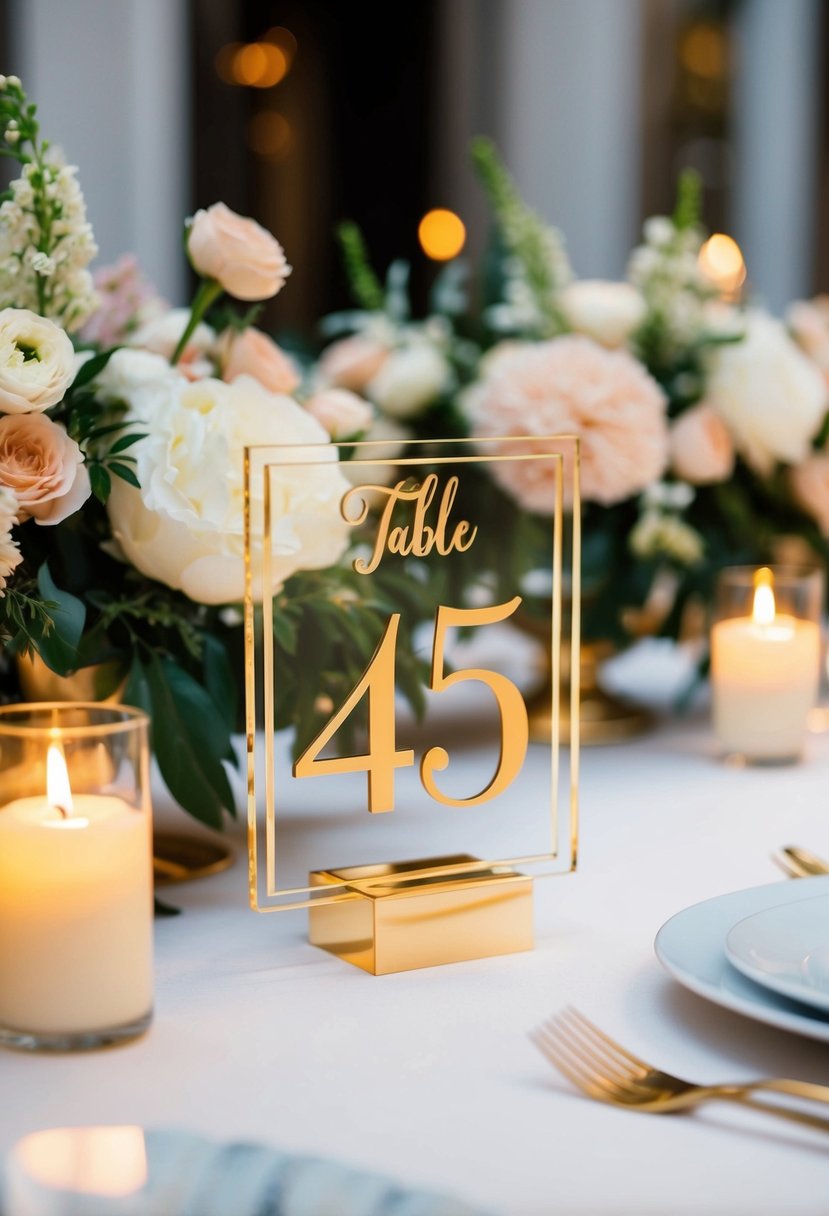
{"x": 429, "y": 1075}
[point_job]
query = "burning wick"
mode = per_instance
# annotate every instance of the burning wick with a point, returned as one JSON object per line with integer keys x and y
{"x": 58, "y": 791}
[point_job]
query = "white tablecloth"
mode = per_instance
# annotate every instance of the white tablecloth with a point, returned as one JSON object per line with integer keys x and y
{"x": 430, "y": 1075}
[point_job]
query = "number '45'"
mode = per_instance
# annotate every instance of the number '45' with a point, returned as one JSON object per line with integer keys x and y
{"x": 377, "y": 683}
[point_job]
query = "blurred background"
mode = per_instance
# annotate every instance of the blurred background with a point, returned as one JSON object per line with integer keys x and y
{"x": 302, "y": 112}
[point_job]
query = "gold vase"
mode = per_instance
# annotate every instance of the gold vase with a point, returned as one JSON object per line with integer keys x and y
{"x": 605, "y": 718}
{"x": 176, "y": 858}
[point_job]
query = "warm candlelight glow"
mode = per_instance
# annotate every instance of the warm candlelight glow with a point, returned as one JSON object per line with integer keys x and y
{"x": 763, "y": 610}
{"x": 108, "y": 1161}
{"x": 721, "y": 261}
{"x": 58, "y": 791}
{"x": 442, "y": 234}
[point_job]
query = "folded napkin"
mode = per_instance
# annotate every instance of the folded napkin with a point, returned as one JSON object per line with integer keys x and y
{"x": 188, "y": 1175}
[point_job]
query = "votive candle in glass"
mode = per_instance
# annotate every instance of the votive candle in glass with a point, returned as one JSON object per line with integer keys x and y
{"x": 76, "y": 894}
{"x": 765, "y": 660}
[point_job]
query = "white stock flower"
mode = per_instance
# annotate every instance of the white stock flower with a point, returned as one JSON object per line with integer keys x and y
{"x": 46, "y": 244}
{"x": 409, "y": 380}
{"x": 658, "y": 535}
{"x": 770, "y": 396}
{"x": 184, "y": 526}
{"x": 607, "y": 312}
{"x": 37, "y": 362}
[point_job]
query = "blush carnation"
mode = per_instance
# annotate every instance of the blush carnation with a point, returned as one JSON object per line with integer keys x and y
{"x": 572, "y": 386}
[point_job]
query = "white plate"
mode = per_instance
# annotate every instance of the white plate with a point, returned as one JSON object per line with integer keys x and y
{"x": 786, "y": 949}
{"x": 691, "y": 946}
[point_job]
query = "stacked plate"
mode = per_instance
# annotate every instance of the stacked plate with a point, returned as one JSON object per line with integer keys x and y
{"x": 762, "y": 952}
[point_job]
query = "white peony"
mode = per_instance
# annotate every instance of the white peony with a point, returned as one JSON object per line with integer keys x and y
{"x": 606, "y": 312}
{"x": 184, "y": 526}
{"x": 770, "y": 396}
{"x": 126, "y": 372}
{"x": 37, "y": 362}
{"x": 409, "y": 380}
{"x": 10, "y": 555}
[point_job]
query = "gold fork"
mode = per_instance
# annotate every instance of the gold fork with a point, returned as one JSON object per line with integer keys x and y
{"x": 800, "y": 863}
{"x": 603, "y": 1069}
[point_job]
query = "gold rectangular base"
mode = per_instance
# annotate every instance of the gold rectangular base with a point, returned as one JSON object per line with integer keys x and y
{"x": 395, "y": 922}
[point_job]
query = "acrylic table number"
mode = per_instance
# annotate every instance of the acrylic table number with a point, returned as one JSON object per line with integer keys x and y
{"x": 424, "y": 531}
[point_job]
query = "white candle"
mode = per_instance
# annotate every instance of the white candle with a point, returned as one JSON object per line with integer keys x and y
{"x": 75, "y": 913}
{"x": 764, "y": 671}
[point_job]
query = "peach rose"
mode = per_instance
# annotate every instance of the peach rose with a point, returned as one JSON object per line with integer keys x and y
{"x": 253, "y": 353}
{"x": 352, "y": 362}
{"x": 702, "y": 450}
{"x": 238, "y": 253}
{"x": 342, "y": 413}
{"x": 42, "y": 466}
{"x": 809, "y": 482}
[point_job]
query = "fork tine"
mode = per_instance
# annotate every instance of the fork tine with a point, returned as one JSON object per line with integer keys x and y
{"x": 576, "y": 1077}
{"x": 558, "y": 1050}
{"x": 596, "y": 1055}
{"x": 617, "y": 1048}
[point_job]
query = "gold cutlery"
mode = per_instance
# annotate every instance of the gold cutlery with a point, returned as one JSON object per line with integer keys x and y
{"x": 603, "y": 1069}
{"x": 800, "y": 863}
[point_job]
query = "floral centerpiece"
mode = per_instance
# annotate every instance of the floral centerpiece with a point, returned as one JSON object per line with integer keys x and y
{"x": 703, "y": 421}
{"x": 122, "y": 430}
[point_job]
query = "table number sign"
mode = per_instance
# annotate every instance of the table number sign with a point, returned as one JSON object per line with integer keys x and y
{"x": 426, "y": 524}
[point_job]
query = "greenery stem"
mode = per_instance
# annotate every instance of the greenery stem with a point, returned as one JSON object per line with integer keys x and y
{"x": 208, "y": 291}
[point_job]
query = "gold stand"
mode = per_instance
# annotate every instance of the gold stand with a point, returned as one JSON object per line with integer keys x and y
{"x": 393, "y": 920}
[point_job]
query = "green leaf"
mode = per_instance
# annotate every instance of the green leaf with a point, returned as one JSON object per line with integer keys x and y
{"x": 58, "y": 646}
{"x": 219, "y": 681}
{"x": 126, "y": 441}
{"x": 183, "y": 764}
{"x": 285, "y": 631}
{"x": 124, "y": 472}
{"x": 100, "y": 481}
{"x": 89, "y": 370}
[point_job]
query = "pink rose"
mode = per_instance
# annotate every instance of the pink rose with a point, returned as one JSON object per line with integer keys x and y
{"x": 352, "y": 362}
{"x": 253, "y": 353}
{"x": 242, "y": 256}
{"x": 42, "y": 466}
{"x": 702, "y": 450}
{"x": 341, "y": 412}
{"x": 810, "y": 485}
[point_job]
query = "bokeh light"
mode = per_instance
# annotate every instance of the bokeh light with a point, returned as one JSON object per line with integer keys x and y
{"x": 442, "y": 234}
{"x": 257, "y": 65}
{"x": 721, "y": 261}
{"x": 269, "y": 135}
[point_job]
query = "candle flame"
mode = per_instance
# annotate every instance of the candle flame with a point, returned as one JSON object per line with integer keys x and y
{"x": 58, "y": 790}
{"x": 764, "y": 607}
{"x": 109, "y": 1161}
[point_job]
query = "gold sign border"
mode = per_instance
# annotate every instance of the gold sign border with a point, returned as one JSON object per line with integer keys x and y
{"x": 258, "y": 460}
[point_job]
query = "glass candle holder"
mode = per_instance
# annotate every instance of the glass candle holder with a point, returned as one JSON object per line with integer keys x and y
{"x": 765, "y": 660}
{"x": 76, "y": 888}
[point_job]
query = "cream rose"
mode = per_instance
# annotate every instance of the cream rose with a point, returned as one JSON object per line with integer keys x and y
{"x": 252, "y": 353}
{"x": 160, "y": 335}
{"x": 409, "y": 380}
{"x": 770, "y": 396}
{"x": 701, "y": 447}
{"x": 604, "y": 311}
{"x": 42, "y": 466}
{"x": 37, "y": 362}
{"x": 126, "y": 371}
{"x": 342, "y": 413}
{"x": 352, "y": 362}
{"x": 810, "y": 485}
{"x": 184, "y": 526}
{"x": 238, "y": 253}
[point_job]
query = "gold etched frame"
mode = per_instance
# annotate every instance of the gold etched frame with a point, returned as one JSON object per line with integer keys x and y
{"x": 563, "y": 450}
